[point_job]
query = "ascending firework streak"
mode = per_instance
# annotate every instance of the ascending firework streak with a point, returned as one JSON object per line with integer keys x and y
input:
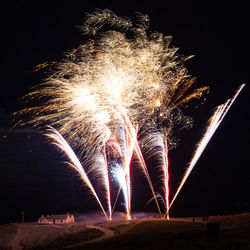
{"x": 213, "y": 124}
{"x": 60, "y": 142}
{"x": 165, "y": 169}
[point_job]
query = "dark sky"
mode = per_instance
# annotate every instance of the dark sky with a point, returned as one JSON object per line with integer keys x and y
{"x": 31, "y": 171}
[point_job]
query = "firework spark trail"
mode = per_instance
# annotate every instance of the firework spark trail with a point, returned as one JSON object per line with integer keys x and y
{"x": 213, "y": 124}
{"x": 128, "y": 160}
{"x": 120, "y": 176}
{"x": 127, "y": 144}
{"x": 101, "y": 165}
{"x": 155, "y": 146}
{"x": 132, "y": 132}
{"x": 144, "y": 167}
{"x": 118, "y": 150}
{"x": 127, "y": 171}
{"x": 61, "y": 143}
{"x": 107, "y": 184}
{"x": 165, "y": 168}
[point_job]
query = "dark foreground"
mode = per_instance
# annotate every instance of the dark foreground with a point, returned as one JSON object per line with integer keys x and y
{"x": 143, "y": 233}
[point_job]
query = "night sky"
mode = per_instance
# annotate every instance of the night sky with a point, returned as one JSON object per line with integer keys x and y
{"x": 33, "y": 177}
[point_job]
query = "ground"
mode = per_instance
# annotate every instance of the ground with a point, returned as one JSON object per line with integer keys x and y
{"x": 138, "y": 233}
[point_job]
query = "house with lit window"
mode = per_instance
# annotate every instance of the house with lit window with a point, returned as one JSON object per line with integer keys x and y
{"x": 56, "y": 219}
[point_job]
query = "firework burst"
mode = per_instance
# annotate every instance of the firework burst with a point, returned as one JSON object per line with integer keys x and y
{"x": 112, "y": 74}
{"x": 121, "y": 79}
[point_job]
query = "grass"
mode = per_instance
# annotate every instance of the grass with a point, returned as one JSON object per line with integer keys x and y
{"x": 139, "y": 234}
{"x": 70, "y": 239}
{"x": 154, "y": 235}
{"x": 176, "y": 235}
{"x": 7, "y": 233}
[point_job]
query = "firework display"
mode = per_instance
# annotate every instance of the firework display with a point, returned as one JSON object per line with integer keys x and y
{"x": 115, "y": 97}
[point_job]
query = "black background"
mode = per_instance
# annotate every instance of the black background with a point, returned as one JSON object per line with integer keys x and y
{"x": 33, "y": 177}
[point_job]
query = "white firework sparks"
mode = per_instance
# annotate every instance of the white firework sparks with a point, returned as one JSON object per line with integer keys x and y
{"x": 118, "y": 80}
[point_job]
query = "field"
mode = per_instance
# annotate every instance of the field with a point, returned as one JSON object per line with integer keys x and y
{"x": 139, "y": 233}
